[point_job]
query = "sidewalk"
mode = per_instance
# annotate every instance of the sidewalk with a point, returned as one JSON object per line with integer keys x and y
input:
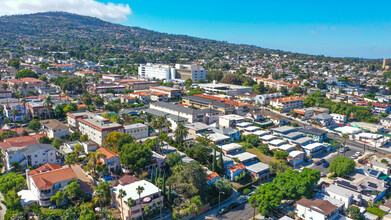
{"x": 3, "y": 209}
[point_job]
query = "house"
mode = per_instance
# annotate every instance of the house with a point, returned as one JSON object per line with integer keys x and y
{"x": 231, "y": 120}
{"x": 110, "y": 159}
{"x": 196, "y": 129}
{"x": 158, "y": 161}
{"x": 258, "y": 170}
{"x": 371, "y": 189}
{"x": 317, "y": 134}
{"x": 283, "y": 130}
{"x": 348, "y": 197}
{"x": 233, "y": 134}
{"x": 171, "y": 92}
{"x": 192, "y": 115}
{"x": 286, "y": 104}
{"x": 111, "y": 77}
{"x": 137, "y": 130}
{"x": 99, "y": 89}
{"x": 54, "y": 128}
{"x": 276, "y": 119}
{"x": 219, "y": 139}
{"x": 46, "y": 181}
{"x": 32, "y": 155}
{"x": 230, "y": 148}
{"x": 375, "y": 140}
{"x": 380, "y": 167}
{"x": 386, "y": 122}
{"x": 323, "y": 119}
{"x": 381, "y": 108}
{"x": 264, "y": 99}
{"x": 339, "y": 119}
{"x": 305, "y": 113}
{"x": 151, "y": 196}
{"x": 316, "y": 209}
{"x": 212, "y": 178}
{"x": 18, "y": 108}
{"x": 296, "y": 157}
{"x": 235, "y": 171}
{"x": 18, "y": 142}
{"x": 313, "y": 149}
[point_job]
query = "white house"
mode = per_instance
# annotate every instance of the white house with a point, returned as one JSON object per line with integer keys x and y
{"x": 342, "y": 194}
{"x": 54, "y": 128}
{"x": 316, "y": 209}
{"x": 137, "y": 130}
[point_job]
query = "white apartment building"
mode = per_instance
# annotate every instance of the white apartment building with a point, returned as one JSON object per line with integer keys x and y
{"x": 286, "y": 104}
{"x": 137, "y": 130}
{"x": 54, "y": 128}
{"x": 95, "y": 126}
{"x": 31, "y": 155}
{"x": 157, "y": 71}
{"x": 342, "y": 194}
{"x": 192, "y": 115}
{"x": 316, "y": 209}
{"x": 339, "y": 119}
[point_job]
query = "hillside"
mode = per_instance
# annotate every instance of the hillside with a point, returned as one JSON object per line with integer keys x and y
{"x": 90, "y": 37}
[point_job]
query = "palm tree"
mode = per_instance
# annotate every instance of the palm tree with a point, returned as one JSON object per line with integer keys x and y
{"x": 48, "y": 105}
{"x": 57, "y": 198}
{"x": 24, "y": 86}
{"x": 94, "y": 158}
{"x": 24, "y": 102}
{"x": 121, "y": 195}
{"x": 344, "y": 136}
{"x": 195, "y": 204}
{"x": 130, "y": 203}
{"x": 140, "y": 190}
{"x": 16, "y": 87}
{"x": 102, "y": 191}
{"x": 181, "y": 133}
{"x": 167, "y": 124}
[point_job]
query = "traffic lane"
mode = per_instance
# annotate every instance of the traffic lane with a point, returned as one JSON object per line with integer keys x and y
{"x": 354, "y": 144}
{"x": 242, "y": 212}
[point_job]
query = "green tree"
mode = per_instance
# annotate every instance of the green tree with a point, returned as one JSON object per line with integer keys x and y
{"x": 11, "y": 181}
{"x": 253, "y": 140}
{"x": 73, "y": 84}
{"x": 355, "y": 213}
{"x": 56, "y": 142}
{"x": 44, "y": 140}
{"x": 14, "y": 63}
{"x": 135, "y": 156}
{"x": 195, "y": 205}
{"x": 35, "y": 125}
{"x": 181, "y": 133}
{"x": 121, "y": 195}
{"x": 75, "y": 136}
{"x": 48, "y": 105}
{"x": 84, "y": 138}
{"x": 342, "y": 166}
{"x": 26, "y": 73}
{"x": 188, "y": 82}
{"x": 268, "y": 197}
{"x": 57, "y": 198}
{"x": 173, "y": 159}
{"x": 200, "y": 153}
{"x": 280, "y": 154}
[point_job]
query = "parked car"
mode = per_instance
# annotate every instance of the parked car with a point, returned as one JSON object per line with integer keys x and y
{"x": 325, "y": 165}
{"x": 233, "y": 205}
{"x": 222, "y": 211}
{"x": 358, "y": 153}
{"x": 243, "y": 200}
{"x": 322, "y": 174}
{"x": 318, "y": 162}
{"x": 342, "y": 150}
{"x": 323, "y": 161}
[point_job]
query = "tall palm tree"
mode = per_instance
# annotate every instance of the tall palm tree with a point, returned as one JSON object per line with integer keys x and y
{"x": 167, "y": 124}
{"x": 48, "y": 104}
{"x": 181, "y": 133}
{"x": 195, "y": 204}
{"x": 344, "y": 136}
{"x": 130, "y": 203}
{"x": 14, "y": 112}
{"x": 140, "y": 190}
{"x": 24, "y": 102}
{"x": 102, "y": 192}
{"x": 94, "y": 159}
{"x": 121, "y": 195}
{"x": 24, "y": 86}
{"x": 16, "y": 87}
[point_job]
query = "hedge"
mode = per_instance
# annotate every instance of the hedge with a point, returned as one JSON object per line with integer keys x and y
{"x": 376, "y": 211}
{"x": 248, "y": 186}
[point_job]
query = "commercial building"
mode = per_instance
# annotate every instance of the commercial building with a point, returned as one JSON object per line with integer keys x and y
{"x": 171, "y": 92}
{"x": 95, "y": 126}
{"x": 156, "y": 71}
{"x": 224, "y": 88}
{"x": 224, "y": 105}
{"x": 264, "y": 99}
{"x": 192, "y": 72}
{"x": 192, "y": 115}
{"x": 137, "y": 130}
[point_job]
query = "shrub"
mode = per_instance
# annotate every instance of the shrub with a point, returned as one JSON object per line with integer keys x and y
{"x": 376, "y": 211}
{"x": 246, "y": 191}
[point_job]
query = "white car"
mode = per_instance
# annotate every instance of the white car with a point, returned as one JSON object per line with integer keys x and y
{"x": 358, "y": 154}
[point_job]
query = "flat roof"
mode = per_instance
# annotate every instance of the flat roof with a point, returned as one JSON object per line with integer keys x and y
{"x": 295, "y": 153}
{"x": 303, "y": 140}
{"x": 293, "y": 134}
{"x": 131, "y": 190}
{"x": 277, "y": 142}
{"x": 243, "y": 124}
{"x": 312, "y": 146}
{"x": 283, "y": 129}
{"x": 261, "y": 132}
{"x": 232, "y": 117}
{"x": 268, "y": 137}
{"x": 198, "y": 126}
{"x": 257, "y": 167}
{"x": 215, "y": 137}
{"x": 348, "y": 130}
{"x": 252, "y": 128}
{"x": 242, "y": 156}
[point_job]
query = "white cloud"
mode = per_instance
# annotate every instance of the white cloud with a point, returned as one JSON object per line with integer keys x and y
{"x": 109, "y": 11}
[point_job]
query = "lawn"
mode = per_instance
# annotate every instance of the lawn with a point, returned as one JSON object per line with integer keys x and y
{"x": 262, "y": 157}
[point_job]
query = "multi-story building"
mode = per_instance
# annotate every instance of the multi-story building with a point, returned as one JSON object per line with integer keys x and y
{"x": 286, "y": 104}
{"x": 137, "y": 130}
{"x": 47, "y": 180}
{"x": 98, "y": 89}
{"x": 339, "y": 119}
{"x": 95, "y": 126}
{"x": 381, "y": 108}
{"x": 274, "y": 83}
{"x": 171, "y": 92}
{"x": 110, "y": 159}
{"x": 156, "y": 71}
{"x": 9, "y": 111}
{"x": 111, "y": 77}
{"x": 224, "y": 105}
{"x": 192, "y": 72}
{"x": 151, "y": 196}
{"x": 31, "y": 155}
{"x": 192, "y": 115}
{"x": 54, "y": 128}
{"x": 264, "y": 99}
{"x": 140, "y": 85}
{"x": 316, "y": 209}
{"x": 223, "y": 88}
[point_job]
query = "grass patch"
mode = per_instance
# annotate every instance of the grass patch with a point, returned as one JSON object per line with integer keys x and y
{"x": 262, "y": 157}
{"x": 376, "y": 211}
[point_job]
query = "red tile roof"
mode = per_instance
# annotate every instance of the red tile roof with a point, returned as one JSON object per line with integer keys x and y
{"x": 322, "y": 206}
{"x": 237, "y": 167}
{"x": 108, "y": 153}
{"x": 45, "y": 168}
{"x": 224, "y": 100}
{"x": 20, "y": 141}
{"x": 128, "y": 179}
{"x": 212, "y": 176}
{"x": 286, "y": 99}
{"x": 46, "y": 180}
{"x": 30, "y": 79}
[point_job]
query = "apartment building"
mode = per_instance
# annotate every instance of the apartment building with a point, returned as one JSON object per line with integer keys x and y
{"x": 111, "y": 77}
{"x": 151, "y": 196}
{"x": 140, "y": 85}
{"x": 32, "y": 155}
{"x": 54, "y": 128}
{"x": 137, "y": 130}
{"x": 110, "y": 159}
{"x": 274, "y": 83}
{"x": 98, "y": 89}
{"x": 95, "y": 126}
{"x": 223, "y": 88}
{"x": 286, "y": 104}
{"x": 9, "y": 110}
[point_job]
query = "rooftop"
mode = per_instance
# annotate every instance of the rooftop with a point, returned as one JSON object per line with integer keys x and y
{"x": 131, "y": 190}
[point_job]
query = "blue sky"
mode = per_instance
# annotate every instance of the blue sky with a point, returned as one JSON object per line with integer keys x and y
{"x": 341, "y": 28}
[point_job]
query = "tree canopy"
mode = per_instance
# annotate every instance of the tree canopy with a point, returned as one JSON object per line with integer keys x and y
{"x": 11, "y": 181}
{"x": 135, "y": 156}
{"x": 26, "y": 73}
{"x": 342, "y": 166}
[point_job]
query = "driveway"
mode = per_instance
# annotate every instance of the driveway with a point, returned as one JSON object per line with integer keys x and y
{"x": 86, "y": 182}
